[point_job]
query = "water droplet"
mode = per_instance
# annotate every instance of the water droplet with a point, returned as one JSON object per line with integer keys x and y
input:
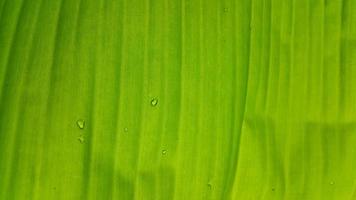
{"x": 332, "y": 182}
{"x": 81, "y": 123}
{"x": 210, "y": 185}
{"x": 226, "y": 9}
{"x": 126, "y": 130}
{"x": 154, "y": 102}
{"x": 81, "y": 139}
{"x": 164, "y": 152}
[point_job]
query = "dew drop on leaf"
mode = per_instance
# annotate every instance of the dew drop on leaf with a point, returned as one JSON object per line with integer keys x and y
{"x": 81, "y": 123}
{"x": 210, "y": 186}
{"x": 81, "y": 139}
{"x": 164, "y": 152}
{"x": 154, "y": 102}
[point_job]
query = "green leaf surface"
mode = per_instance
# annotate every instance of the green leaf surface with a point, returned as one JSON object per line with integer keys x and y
{"x": 177, "y": 99}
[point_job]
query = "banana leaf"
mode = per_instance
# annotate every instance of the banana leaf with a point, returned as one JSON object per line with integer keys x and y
{"x": 177, "y": 99}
